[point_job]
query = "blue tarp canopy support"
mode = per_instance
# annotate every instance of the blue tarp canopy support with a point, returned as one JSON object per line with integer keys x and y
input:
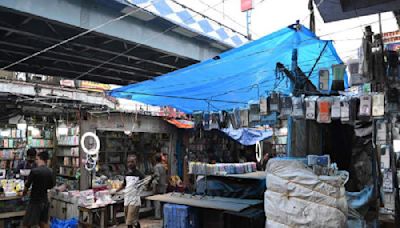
{"x": 237, "y": 76}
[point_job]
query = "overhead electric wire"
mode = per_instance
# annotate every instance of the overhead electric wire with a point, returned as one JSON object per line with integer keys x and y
{"x": 227, "y": 16}
{"x": 77, "y": 36}
{"x": 136, "y": 46}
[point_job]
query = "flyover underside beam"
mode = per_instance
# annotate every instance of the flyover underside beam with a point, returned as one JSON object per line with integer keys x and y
{"x": 32, "y": 90}
{"x": 149, "y": 64}
{"x": 81, "y": 66}
{"x": 87, "y": 14}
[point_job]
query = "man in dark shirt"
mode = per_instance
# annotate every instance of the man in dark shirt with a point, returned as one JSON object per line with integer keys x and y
{"x": 41, "y": 179}
{"x": 131, "y": 193}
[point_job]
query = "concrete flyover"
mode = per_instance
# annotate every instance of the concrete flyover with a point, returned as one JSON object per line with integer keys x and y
{"x": 140, "y": 47}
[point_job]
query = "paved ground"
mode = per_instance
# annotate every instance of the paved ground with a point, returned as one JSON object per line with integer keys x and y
{"x": 147, "y": 223}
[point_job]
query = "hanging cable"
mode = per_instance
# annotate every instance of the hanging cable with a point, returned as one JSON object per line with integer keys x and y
{"x": 78, "y": 35}
{"x": 134, "y": 47}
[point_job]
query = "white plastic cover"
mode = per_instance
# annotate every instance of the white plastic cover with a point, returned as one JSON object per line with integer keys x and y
{"x": 296, "y": 197}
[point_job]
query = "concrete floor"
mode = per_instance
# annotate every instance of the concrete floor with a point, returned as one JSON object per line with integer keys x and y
{"x": 146, "y": 223}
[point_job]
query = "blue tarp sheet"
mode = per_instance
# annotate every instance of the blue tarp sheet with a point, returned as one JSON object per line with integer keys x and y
{"x": 247, "y": 136}
{"x": 237, "y": 76}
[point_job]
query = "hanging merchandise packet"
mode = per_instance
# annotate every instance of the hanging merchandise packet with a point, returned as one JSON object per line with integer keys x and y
{"x": 198, "y": 119}
{"x": 263, "y": 106}
{"x": 354, "y": 104}
{"x": 336, "y": 108}
{"x": 298, "y": 107}
{"x": 224, "y": 119}
{"x": 206, "y": 121}
{"x": 244, "y": 117}
{"x": 237, "y": 117}
{"x": 286, "y": 107}
{"x": 324, "y": 110}
{"x": 232, "y": 120}
{"x": 274, "y": 102}
{"x": 214, "y": 123}
{"x": 365, "y": 107}
{"x": 311, "y": 107}
{"x": 254, "y": 113}
{"x": 378, "y": 104}
{"x": 344, "y": 109}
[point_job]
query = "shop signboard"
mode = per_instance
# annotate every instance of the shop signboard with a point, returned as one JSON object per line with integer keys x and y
{"x": 93, "y": 86}
{"x": 67, "y": 83}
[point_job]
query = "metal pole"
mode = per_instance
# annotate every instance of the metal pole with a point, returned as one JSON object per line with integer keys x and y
{"x": 248, "y": 22}
{"x": 290, "y": 119}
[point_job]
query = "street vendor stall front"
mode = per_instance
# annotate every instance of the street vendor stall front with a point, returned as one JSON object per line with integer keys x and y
{"x": 244, "y": 88}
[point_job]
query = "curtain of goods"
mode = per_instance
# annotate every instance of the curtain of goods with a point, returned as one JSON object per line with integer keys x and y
{"x": 237, "y": 76}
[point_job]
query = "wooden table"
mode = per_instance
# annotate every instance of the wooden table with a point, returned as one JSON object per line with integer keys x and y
{"x": 92, "y": 212}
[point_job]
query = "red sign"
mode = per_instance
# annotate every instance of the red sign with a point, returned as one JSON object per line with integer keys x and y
{"x": 246, "y": 5}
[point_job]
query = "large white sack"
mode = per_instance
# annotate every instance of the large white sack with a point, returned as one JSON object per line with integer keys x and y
{"x": 295, "y": 212}
{"x": 296, "y": 197}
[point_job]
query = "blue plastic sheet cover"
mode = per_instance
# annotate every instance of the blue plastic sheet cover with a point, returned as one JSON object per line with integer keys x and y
{"x": 247, "y": 136}
{"x": 237, "y": 76}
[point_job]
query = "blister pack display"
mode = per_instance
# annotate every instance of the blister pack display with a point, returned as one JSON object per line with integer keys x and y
{"x": 206, "y": 121}
{"x": 324, "y": 110}
{"x": 254, "y": 113}
{"x": 378, "y": 104}
{"x": 311, "y": 107}
{"x": 244, "y": 117}
{"x": 274, "y": 102}
{"x": 286, "y": 107}
{"x": 214, "y": 122}
{"x": 365, "y": 106}
{"x": 298, "y": 107}
{"x": 263, "y": 106}
{"x": 336, "y": 106}
{"x": 324, "y": 80}
{"x": 344, "y": 109}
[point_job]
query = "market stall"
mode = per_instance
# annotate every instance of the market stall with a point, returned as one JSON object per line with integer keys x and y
{"x": 302, "y": 92}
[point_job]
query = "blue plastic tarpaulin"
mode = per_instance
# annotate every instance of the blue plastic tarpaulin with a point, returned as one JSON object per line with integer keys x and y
{"x": 247, "y": 136}
{"x": 237, "y": 76}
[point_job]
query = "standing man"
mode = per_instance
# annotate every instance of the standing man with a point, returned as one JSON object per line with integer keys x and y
{"x": 41, "y": 179}
{"x": 159, "y": 183}
{"x": 132, "y": 193}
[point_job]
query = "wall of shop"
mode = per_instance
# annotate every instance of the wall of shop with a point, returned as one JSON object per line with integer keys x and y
{"x": 120, "y": 122}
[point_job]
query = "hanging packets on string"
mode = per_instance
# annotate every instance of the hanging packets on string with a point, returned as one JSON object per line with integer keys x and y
{"x": 214, "y": 122}
{"x": 354, "y": 104}
{"x": 232, "y": 120}
{"x": 311, "y": 107}
{"x": 324, "y": 110}
{"x": 244, "y": 117}
{"x": 378, "y": 104}
{"x": 298, "y": 107}
{"x": 286, "y": 107}
{"x": 224, "y": 119}
{"x": 344, "y": 109}
{"x": 254, "y": 114}
{"x": 365, "y": 107}
{"x": 336, "y": 106}
{"x": 206, "y": 121}
{"x": 274, "y": 102}
{"x": 198, "y": 119}
{"x": 263, "y": 106}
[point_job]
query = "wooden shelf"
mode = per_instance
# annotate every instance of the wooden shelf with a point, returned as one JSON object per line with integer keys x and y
{"x": 10, "y": 198}
{"x": 72, "y": 156}
{"x": 12, "y": 214}
{"x": 66, "y": 176}
{"x": 69, "y": 166}
{"x": 42, "y": 147}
